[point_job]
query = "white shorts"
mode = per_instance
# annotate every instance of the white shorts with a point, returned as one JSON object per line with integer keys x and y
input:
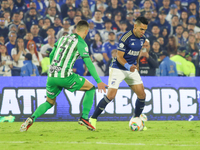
{"x": 116, "y": 76}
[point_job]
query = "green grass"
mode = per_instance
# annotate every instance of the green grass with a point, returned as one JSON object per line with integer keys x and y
{"x": 161, "y": 135}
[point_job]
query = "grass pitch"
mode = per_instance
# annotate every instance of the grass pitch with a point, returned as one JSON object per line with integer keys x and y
{"x": 161, "y": 135}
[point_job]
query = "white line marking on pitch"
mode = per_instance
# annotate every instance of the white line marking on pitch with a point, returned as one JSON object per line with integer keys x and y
{"x": 105, "y": 143}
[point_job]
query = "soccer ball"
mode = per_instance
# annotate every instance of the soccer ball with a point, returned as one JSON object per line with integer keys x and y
{"x": 136, "y": 124}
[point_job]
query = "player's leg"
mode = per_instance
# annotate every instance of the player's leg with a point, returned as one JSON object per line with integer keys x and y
{"x": 52, "y": 91}
{"x": 135, "y": 82}
{"x": 116, "y": 76}
{"x": 140, "y": 102}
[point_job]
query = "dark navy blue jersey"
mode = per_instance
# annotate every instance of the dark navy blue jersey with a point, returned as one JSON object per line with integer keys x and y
{"x": 130, "y": 45}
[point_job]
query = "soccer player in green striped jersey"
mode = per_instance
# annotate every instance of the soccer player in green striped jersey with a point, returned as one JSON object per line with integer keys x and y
{"x": 62, "y": 58}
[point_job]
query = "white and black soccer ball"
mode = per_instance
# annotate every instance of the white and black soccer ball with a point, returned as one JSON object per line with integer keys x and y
{"x": 136, "y": 124}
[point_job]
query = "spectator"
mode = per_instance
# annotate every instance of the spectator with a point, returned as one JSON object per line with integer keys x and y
{"x": 2, "y": 40}
{"x": 12, "y": 36}
{"x": 154, "y": 16}
{"x": 173, "y": 11}
{"x": 33, "y": 5}
{"x": 108, "y": 15}
{"x": 114, "y": 54}
{"x": 105, "y": 32}
{"x": 65, "y": 7}
{"x": 7, "y": 18}
{"x": 164, "y": 34}
{"x": 4, "y": 6}
{"x": 172, "y": 45}
{"x": 36, "y": 56}
{"x": 40, "y": 6}
{"x": 45, "y": 63}
{"x": 11, "y": 5}
{"x": 179, "y": 7}
{"x": 179, "y": 32}
{"x": 181, "y": 63}
{"x": 130, "y": 23}
{"x": 156, "y": 48}
{"x": 148, "y": 16}
{"x": 57, "y": 24}
{"x": 71, "y": 14}
{"x": 18, "y": 54}
{"x": 174, "y": 24}
{"x": 109, "y": 46}
{"x": 155, "y": 33}
{"x": 51, "y": 13}
{"x": 129, "y": 7}
{"x": 162, "y": 22}
{"x": 19, "y": 5}
{"x": 184, "y": 19}
{"x": 87, "y": 14}
{"x": 192, "y": 19}
{"x": 197, "y": 36}
{"x": 28, "y": 37}
{"x": 193, "y": 27}
{"x": 123, "y": 27}
{"x": 84, "y": 3}
{"x": 3, "y": 28}
{"x": 16, "y": 19}
{"x": 98, "y": 64}
{"x": 165, "y": 6}
{"x": 193, "y": 10}
{"x": 146, "y": 7}
{"x": 50, "y": 32}
{"x": 96, "y": 46}
{"x": 29, "y": 69}
{"x": 115, "y": 7}
{"x": 102, "y": 7}
{"x": 21, "y": 32}
{"x": 31, "y": 18}
{"x": 5, "y": 62}
{"x": 136, "y": 14}
{"x": 52, "y": 3}
{"x": 194, "y": 50}
{"x": 40, "y": 22}
{"x": 148, "y": 61}
{"x": 160, "y": 40}
{"x": 43, "y": 30}
{"x": 167, "y": 67}
{"x": 98, "y": 21}
{"x": 76, "y": 20}
{"x": 185, "y": 36}
{"x": 36, "y": 38}
{"x": 116, "y": 22}
{"x": 79, "y": 67}
{"x": 188, "y": 57}
{"x": 50, "y": 44}
{"x": 66, "y": 25}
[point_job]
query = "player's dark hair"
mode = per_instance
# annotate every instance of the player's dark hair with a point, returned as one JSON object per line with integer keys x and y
{"x": 82, "y": 24}
{"x": 140, "y": 20}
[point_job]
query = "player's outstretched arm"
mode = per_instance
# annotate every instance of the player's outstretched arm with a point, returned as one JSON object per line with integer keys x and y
{"x": 93, "y": 72}
{"x": 123, "y": 62}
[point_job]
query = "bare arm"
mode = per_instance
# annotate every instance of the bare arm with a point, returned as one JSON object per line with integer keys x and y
{"x": 123, "y": 62}
{"x": 17, "y": 56}
{"x": 105, "y": 56}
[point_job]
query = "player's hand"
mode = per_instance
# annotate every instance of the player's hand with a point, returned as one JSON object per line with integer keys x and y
{"x": 133, "y": 67}
{"x": 101, "y": 86}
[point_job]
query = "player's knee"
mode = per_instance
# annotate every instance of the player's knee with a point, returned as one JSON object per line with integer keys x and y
{"x": 110, "y": 96}
{"x": 142, "y": 95}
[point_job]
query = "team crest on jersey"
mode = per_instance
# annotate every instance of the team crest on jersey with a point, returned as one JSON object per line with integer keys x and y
{"x": 86, "y": 49}
{"x": 121, "y": 45}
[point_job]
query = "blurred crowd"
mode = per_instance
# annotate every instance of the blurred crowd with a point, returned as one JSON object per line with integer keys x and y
{"x": 29, "y": 29}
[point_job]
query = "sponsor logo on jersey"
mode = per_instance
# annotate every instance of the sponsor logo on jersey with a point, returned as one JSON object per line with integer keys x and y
{"x": 53, "y": 68}
{"x": 134, "y": 53}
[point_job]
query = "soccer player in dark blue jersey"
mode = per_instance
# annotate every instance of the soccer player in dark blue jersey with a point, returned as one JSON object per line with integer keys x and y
{"x": 124, "y": 67}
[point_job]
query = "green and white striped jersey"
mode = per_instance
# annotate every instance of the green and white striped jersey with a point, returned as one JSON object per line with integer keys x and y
{"x": 64, "y": 54}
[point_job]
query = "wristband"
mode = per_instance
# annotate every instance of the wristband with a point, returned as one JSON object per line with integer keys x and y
{"x": 127, "y": 66}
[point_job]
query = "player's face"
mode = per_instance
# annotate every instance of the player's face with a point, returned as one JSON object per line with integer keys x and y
{"x": 140, "y": 29}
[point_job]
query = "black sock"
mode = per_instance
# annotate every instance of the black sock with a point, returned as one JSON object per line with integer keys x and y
{"x": 100, "y": 107}
{"x": 139, "y": 106}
